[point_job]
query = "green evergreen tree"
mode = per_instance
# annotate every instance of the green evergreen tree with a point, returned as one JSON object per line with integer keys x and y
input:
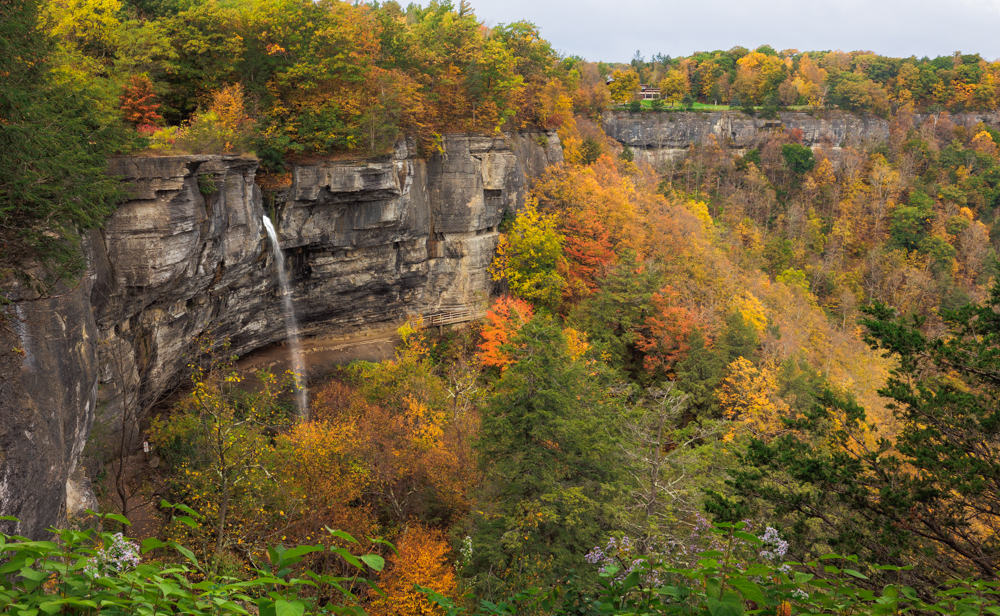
{"x": 552, "y": 468}
{"x": 53, "y": 149}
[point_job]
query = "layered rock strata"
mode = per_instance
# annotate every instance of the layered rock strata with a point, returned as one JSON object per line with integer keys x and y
{"x": 369, "y": 243}
{"x": 664, "y": 137}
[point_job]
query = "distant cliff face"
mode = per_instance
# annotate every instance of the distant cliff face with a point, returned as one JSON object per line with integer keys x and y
{"x": 659, "y": 138}
{"x": 368, "y": 242}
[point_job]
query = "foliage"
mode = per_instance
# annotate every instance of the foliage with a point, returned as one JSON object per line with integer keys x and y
{"x": 529, "y": 256}
{"x": 932, "y": 479}
{"x": 749, "y": 395}
{"x": 503, "y": 320}
{"x": 551, "y": 467}
{"x": 624, "y": 86}
{"x": 223, "y": 127}
{"x": 88, "y": 571}
{"x": 859, "y": 81}
{"x": 217, "y": 442}
{"x": 138, "y": 103}
{"x": 54, "y": 146}
{"x": 421, "y": 561}
{"x": 747, "y": 575}
{"x": 799, "y": 158}
{"x": 663, "y": 338}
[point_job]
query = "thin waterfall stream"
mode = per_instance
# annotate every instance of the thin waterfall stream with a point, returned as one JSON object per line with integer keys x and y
{"x": 291, "y": 323}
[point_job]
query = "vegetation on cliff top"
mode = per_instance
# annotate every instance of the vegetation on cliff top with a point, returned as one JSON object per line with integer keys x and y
{"x": 860, "y": 81}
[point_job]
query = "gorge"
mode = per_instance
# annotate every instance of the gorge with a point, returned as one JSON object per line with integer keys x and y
{"x": 368, "y": 242}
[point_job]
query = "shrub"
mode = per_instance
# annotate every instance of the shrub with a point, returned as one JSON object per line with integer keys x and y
{"x": 223, "y": 128}
{"x": 82, "y": 572}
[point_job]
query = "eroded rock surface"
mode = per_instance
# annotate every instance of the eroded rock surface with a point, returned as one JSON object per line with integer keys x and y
{"x": 659, "y": 138}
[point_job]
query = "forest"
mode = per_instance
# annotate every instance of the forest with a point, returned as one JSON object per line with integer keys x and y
{"x": 760, "y": 381}
{"x": 860, "y": 81}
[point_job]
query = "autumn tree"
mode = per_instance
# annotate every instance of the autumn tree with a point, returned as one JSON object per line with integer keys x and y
{"x": 223, "y": 127}
{"x": 323, "y": 468}
{"x": 501, "y": 324}
{"x": 138, "y": 103}
{"x": 413, "y": 438}
{"x": 217, "y": 438}
{"x": 421, "y": 559}
{"x": 665, "y": 332}
{"x": 674, "y": 86}
{"x": 757, "y": 76}
{"x": 624, "y": 85}
{"x": 529, "y": 257}
{"x": 928, "y": 494}
{"x": 748, "y": 396}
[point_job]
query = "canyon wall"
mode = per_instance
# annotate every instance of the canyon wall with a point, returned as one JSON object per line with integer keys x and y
{"x": 660, "y": 138}
{"x": 368, "y": 242}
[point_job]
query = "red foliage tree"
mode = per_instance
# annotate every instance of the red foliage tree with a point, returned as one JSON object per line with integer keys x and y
{"x": 663, "y": 339}
{"x": 138, "y": 104}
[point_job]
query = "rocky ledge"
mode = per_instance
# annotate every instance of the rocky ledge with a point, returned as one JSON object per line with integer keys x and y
{"x": 664, "y": 137}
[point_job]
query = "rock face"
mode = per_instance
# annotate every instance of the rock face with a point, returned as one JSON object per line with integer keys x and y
{"x": 659, "y": 138}
{"x": 368, "y": 242}
{"x": 48, "y": 390}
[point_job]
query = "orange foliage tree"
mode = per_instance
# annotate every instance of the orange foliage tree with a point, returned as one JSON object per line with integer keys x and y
{"x": 322, "y": 463}
{"x": 502, "y": 322}
{"x": 421, "y": 560}
{"x": 663, "y": 339}
{"x": 411, "y": 443}
{"x": 599, "y": 215}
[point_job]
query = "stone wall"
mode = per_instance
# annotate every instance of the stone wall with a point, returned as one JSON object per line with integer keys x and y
{"x": 368, "y": 242}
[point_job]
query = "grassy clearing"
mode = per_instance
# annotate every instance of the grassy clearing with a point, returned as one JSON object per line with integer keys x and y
{"x": 647, "y": 105}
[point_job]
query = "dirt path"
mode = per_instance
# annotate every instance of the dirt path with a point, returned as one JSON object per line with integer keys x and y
{"x": 324, "y": 353}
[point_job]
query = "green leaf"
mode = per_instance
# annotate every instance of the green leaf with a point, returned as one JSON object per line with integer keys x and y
{"x": 151, "y": 543}
{"x": 857, "y": 574}
{"x": 350, "y": 558}
{"x": 748, "y": 589}
{"x": 117, "y": 518}
{"x": 374, "y": 561}
{"x": 384, "y": 542}
{"x": 749, "y": 538}
{"x": 290, "y": 556}
{"x": 289, "y": 608}
{"x": 186, "y": 553}
{"x": 341, "y": 535}
{"x": 725, "y": 607}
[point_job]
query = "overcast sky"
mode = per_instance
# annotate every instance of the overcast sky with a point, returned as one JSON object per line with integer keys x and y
{"x": 613, "y": 30}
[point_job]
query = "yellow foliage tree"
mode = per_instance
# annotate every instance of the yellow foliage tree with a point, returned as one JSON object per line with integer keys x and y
{"x": 756, "y": 75}
{"x": 674, "y": 86}
{"x": 529, "y": 257}
{"x": 222, "y": 128}
{"x": 624, "y": 84}
{"x": 749, "y": 396}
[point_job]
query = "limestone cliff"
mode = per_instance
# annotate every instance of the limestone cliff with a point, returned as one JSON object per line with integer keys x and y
{"x": 368, "y": 242}
{"x": 659, "y": 138}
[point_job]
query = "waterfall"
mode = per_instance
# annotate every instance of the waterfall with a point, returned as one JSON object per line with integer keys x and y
{"x": 291, "y": 323}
